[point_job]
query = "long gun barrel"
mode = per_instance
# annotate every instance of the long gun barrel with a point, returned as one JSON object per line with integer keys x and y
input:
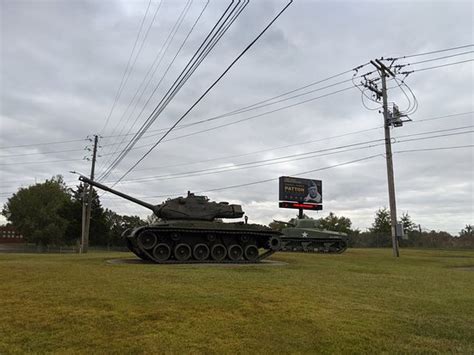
{"x": 115, "y": 192}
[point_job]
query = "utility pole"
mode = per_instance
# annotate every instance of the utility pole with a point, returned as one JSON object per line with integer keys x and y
{"x": 392, "y": 118}
{"x": 384, "y": 72}
{"x": 87, "y": 206}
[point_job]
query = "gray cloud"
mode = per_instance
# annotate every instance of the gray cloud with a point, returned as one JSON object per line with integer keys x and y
{"x": 62, "y": 62}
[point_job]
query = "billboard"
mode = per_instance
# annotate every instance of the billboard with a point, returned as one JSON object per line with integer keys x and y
{"x": 302, "y": 191}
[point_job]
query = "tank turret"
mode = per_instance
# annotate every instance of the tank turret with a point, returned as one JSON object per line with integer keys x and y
{"x": 191, "y": 207}
{"x": 188, "y": 232}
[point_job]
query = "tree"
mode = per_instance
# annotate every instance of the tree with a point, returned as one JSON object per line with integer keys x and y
{"x": 381, "y": 223}
{"x": 408, "y": 225}
{"x": 335, "y": 223}
{"x": 118, "y": 224}
{"x": 35, "y": 211}
{"x": 98, "y": 231}
{"x": 467, "y": 231}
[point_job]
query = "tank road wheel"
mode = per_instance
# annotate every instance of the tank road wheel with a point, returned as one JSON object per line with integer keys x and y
{"x": 274, "y": 243}
{"x": 182, "y": 252}
{"x": 235, "y": 252}
{"x": 162, "y": 252}
{"x": 251, "y": 252}
{"x": 201, "y": 252}
{"x": 218, "y": 252}
{"x": 147, "y": 240}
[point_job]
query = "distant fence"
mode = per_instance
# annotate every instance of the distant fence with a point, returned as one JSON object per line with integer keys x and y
{"x": 32, "y": 248}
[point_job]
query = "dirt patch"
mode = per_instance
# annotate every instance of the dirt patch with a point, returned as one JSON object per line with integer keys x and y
{"x": 140, "y": 261}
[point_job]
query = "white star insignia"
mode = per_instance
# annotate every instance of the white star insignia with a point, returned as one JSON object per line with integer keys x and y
{"x": 304, "y": 235}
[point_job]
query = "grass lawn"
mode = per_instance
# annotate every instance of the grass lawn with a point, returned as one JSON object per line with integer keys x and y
{"x": 361, "y": 301}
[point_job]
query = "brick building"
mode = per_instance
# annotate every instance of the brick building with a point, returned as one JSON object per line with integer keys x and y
{"x": 8, "y": 234}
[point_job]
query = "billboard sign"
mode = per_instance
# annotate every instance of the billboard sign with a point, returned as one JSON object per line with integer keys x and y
{"x": 301, "y": 191}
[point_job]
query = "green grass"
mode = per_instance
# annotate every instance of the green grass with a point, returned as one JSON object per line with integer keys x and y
{"x": 358, "y": 302}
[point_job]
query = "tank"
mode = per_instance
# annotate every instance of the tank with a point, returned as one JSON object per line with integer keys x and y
{"x": 305, "y": 235}
{"x": 190, "y": 231}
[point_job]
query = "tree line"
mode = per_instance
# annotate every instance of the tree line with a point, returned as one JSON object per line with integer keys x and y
{"x": 379, "y": 234}
{"x": 50, "y": 213}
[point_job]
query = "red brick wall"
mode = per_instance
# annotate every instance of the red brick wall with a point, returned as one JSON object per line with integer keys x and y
{"x": 10, "y": 235}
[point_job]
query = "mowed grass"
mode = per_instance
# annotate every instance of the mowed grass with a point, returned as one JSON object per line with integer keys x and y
{"x": 358, "y": 302}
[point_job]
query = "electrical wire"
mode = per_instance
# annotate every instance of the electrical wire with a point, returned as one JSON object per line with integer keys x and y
{"x": 41, "y": 153}
{"x": 41, "y": 162}
{"x": 235, "y": 111}
{"x": 442, "y": 65}
{"x": 226, "y": 158}
{"x": 299, "y": 156}
{"x": 207, "y": 90}
{"x": 300, "y": 143}
{"x": 119, "y": 90}
{"x": 152, "y": 69}
{"x": 45, "y": 143}
{"x": 431, "y": 52}
{"x": 248, "y": 118}
{"x": 433, "y": 149}
{"x": 206, "y": 46}
{"x": 170, "y": 195}
{"x": 433, "y": 59}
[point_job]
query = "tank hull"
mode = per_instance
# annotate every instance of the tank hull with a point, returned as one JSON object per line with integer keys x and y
{"x": 312, "y": 240}
{"x": 313, "y": 245}
{"x": 184, "y": 242}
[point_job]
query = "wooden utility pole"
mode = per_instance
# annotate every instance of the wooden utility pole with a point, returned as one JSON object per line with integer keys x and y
{"x": 87, "y": 206}
{"x": 384, "y": 73}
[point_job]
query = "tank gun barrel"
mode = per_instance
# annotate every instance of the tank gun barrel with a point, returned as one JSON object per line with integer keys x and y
{"x": 115, "y": 192}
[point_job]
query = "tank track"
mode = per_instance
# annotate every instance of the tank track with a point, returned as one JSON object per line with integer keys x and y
{"x": 313, "y": 245}
{"x": 177, "y": 236}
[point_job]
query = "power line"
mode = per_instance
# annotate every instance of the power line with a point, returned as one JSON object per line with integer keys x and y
{"x": 205, "y": 48}
{"x": 253, "y": 164}
{"x": 300, "y": 143}
{"x": 296, "y": 157}
{"x": 445, "y": 116}
{"x": 152, "y": 69}
{"x": 183, "y": 15}
{"x": 119, "y": 90}
{"x": 437, "y": 148}
{"x": 306, "y": 172}
{"x": 42, "y": 153}
{"x": 295, "y": 174}
{"x": 45, "y": 143}
{"x": 433, "y": 59}
{"x": 235, "y": 111}
{"x": 441, "y": 66}
{"x": 249, "y": 118}
{"x": 207, "y": 90}
{"x": 41, "y": 162}
{"x": 431, "y": 52}
{"x": 303, "y": 143}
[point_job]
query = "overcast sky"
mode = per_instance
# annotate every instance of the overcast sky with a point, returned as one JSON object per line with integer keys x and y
{"x": 62, "y": 63}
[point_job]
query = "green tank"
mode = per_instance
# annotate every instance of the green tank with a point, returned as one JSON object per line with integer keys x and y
{"x": 190, "y": 231}
{"x": 305, "y": 235}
